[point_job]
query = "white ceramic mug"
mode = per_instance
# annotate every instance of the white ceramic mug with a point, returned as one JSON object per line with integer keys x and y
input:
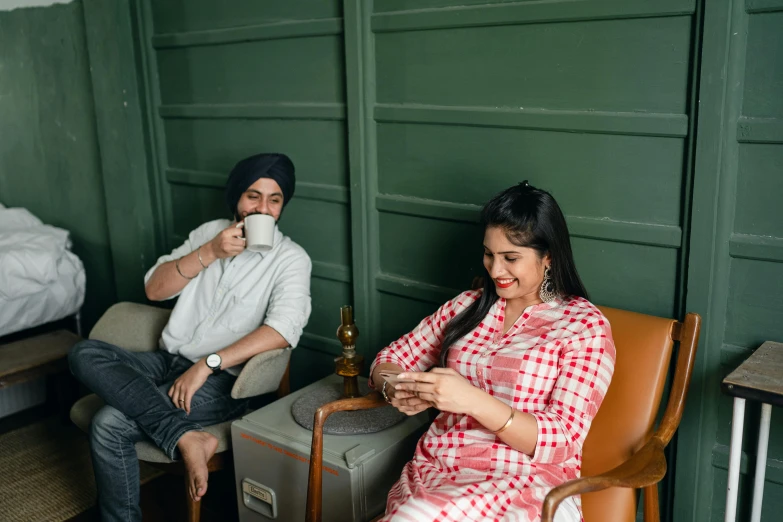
{"x": 259, "y": 232}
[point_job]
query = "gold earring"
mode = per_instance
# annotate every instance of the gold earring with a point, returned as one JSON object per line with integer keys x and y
{"x": 547, "y": 291}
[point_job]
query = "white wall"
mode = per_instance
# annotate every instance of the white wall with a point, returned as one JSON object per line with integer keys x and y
{"x": 7, "y": 5}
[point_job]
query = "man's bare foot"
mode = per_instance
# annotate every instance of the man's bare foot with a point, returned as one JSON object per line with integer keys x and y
{"x": 197, "y": 447}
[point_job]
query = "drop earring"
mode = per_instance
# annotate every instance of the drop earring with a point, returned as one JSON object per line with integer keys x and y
{"x": 547, "y": 292}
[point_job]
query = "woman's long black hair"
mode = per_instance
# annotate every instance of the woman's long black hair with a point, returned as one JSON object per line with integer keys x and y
{"x": 530, "y": 218}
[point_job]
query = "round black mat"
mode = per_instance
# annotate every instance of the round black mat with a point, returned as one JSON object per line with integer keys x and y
{"x": 343, "y": 422}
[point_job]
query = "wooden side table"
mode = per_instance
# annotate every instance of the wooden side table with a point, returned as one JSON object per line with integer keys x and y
{"x": 759, "y": 378}
{"x": 38, "y": 356}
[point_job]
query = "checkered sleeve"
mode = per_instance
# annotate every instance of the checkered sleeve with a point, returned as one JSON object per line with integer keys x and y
{"x": 418, "y": 350}
{"x": 586, "y": 370}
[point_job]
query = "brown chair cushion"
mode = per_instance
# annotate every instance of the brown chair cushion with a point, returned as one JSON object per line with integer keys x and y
{"x": 627, "y": 415}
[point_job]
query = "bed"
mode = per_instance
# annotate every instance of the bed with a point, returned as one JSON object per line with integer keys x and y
{"x": 41, "y": 280}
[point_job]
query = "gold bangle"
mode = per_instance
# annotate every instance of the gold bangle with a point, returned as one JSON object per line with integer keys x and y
{"x": 508, "y": 422}
{"x": 176, "y": 263}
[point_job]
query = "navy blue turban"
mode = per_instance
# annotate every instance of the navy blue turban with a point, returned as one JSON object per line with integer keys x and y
{"x": 278, "y": 167}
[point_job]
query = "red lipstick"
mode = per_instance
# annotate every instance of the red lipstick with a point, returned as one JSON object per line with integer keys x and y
{"x": 497, "y": 283}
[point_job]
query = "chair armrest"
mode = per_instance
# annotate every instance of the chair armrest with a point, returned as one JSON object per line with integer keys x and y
{"x": 261, "y": 374}
{"x": 645, "y": 468}
{"x": 132, "y": 326}
{"x": 314, "y": 486}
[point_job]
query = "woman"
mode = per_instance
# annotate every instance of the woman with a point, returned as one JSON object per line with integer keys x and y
{"x": 519, "y": 370}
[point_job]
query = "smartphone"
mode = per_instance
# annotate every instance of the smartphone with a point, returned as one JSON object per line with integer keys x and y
{"x": 393, "y": 379}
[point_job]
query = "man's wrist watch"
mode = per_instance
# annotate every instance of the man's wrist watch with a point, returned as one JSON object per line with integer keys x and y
{"x": 214, "y": 361}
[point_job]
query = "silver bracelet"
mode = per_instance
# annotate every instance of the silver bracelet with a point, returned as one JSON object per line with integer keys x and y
{"x": 383, "y": 392}
{"x": 198, "y": 251}
{"x": 176, "y": 263}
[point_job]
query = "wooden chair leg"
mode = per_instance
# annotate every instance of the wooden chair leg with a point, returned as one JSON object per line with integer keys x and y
{"x": 194, "y": 508}
{"x": 651, "y": 506}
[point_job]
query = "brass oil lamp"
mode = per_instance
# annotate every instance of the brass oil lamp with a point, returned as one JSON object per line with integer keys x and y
{"x": 350, "y": 364}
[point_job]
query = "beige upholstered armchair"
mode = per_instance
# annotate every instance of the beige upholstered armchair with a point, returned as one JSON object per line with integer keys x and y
{"x": 137, "y": 327}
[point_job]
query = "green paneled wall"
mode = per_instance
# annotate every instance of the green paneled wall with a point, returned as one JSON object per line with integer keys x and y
{"x": 404, "y": 116}
{"x": 440, "y": 161}
{"x": 402, "y": 122}
{"x": 591, "y": 100}
{"x": 49, "y": 160}
{"x": 537, "y": 63}
{"x": 736, "y": 275}
{"x": 177, "y": 16}
{"x": 587, "y": 99}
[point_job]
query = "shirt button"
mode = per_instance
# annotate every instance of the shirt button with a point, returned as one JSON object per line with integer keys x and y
{"x": 479, "y": 373}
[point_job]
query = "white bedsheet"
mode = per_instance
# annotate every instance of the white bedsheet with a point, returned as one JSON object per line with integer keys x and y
{"x": 41, "y": 280}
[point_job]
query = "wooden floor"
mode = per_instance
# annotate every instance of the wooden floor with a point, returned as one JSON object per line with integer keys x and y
{"x": 162, "y": 499}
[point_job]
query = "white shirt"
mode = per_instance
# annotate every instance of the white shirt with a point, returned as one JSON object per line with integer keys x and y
{"x": 234, "y": 296}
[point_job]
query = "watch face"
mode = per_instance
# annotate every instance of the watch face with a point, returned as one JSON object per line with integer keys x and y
{"x": 213, "y": 360}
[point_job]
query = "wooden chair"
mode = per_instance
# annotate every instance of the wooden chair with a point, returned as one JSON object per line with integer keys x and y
{"x": 623, "y": 451}
{"x": 137, "y": 328}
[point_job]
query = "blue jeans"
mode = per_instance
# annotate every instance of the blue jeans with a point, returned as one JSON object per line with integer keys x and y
{"x": 135, "y": 386}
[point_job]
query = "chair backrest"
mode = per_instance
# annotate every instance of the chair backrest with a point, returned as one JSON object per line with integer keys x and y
{"x": 627, "y": 416}
{"x": 133, "y": 326}
{"x": 138, "y": 327}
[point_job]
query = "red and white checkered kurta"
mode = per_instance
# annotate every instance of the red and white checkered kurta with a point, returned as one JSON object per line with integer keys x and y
{"x": 555, "y": 363}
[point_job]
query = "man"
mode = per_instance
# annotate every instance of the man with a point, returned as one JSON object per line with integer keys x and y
{"x": 233, "y": 304}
